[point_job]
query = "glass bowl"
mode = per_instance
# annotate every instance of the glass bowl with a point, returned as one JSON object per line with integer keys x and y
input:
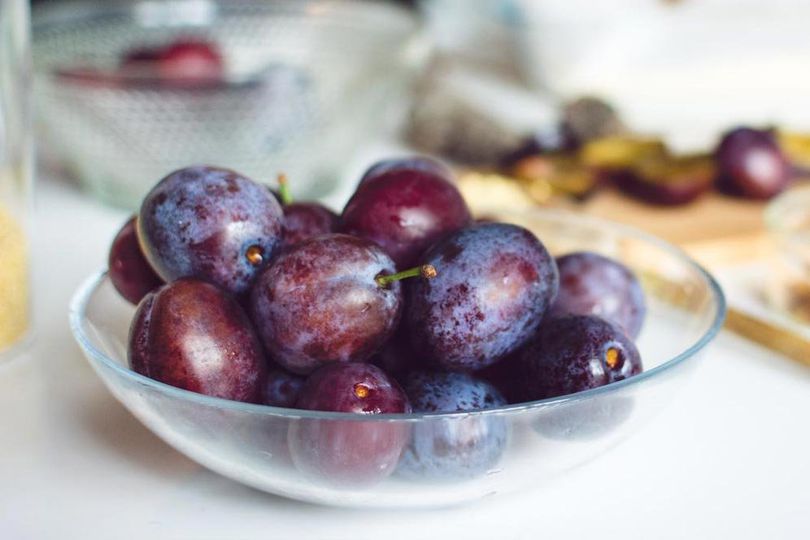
{"x": 302, "y": 78}
{"x": 499, "y": 450}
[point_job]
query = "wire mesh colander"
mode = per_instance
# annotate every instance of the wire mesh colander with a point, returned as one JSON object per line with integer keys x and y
{"x": 307, "y": 82}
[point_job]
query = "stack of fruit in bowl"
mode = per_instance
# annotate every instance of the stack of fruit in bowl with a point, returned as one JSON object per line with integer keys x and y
{"x": 399, "y": 353}
{"x": 401, "y": 304}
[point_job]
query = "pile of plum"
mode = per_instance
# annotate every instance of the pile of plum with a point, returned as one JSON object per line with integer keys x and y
{"x": 747, "y": 163}
{"x": 401, "y": 304}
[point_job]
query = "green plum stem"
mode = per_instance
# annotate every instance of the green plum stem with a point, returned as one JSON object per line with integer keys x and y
{"x": 284, "y": 190}
{"x": 427, "y": 271}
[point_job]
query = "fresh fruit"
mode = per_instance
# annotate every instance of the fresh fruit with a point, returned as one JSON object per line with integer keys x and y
{"x": 592, "y": 284}
{"x": 575, "y": 353}
{"x": 494, "y": 283}
{"x": 541, "y": 142}
{"x": 405, "y": 210}
{"x": 668, "y": 181}
{"x": 129, "y": 271}
{"x": 610, "y": 154}
{"x": 506, "y": 377}
{"x": 307, "y": 220}
{"x": 192, "y": 335}
{"x": 211, "y": 224}
{"x": 412, "y": 163}
{"x": 351, "y": 452}
{"x": 332, "y": 298}
{"x": 190, "y": 62}
{"x": 304, "y": 220}
{"x": 562, "y": 173}
{"x": 452, "y": 448}
{"x": 281, "y": 388}
{"x": 397, "y": 357}
{"x": 796, "y": 147}
{"x": 750, "y": 164}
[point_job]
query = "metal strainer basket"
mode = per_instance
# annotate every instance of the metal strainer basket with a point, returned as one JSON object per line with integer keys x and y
{"x": 307, "y": 82}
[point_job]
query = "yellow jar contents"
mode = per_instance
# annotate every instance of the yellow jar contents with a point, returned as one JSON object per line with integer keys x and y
{"x": 13, "y": 281}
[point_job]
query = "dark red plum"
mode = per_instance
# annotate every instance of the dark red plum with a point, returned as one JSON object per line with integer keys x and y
{"x": 129, "y": 271}
{"x": 411, "y": 163}
{"x": 212, "y": 224}
{"x": 452, "y": 448}
{"x": 494, "y": 283}
{"x": 575, "y": 353}
{"x": 505, "y": 375}
{"x": 751, "y": 164}
{"x": 306, "y": 220}
{"x": 190, "y": 62}
{"x": 320, "y": 302}
{"x": 353, "y": 453}
{"x": 397, "y": 357}
{"x": 405, "y": 210}
{"x": 192, "y": 335}
{"x": 592, "y": 284}
{"x": 303, "y": 220}
{"x": 281, "y": 387}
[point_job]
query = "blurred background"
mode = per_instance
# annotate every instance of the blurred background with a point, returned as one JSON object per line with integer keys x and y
{"x": 682, "y": 117}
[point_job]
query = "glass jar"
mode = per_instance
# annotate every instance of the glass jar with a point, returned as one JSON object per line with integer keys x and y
{"x": 15, "y": 172}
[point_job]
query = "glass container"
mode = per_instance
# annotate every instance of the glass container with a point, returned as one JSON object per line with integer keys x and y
{"x": 15, "y": 173}
{"x": 293, "y": 452}
{"x": 305, "y": 84}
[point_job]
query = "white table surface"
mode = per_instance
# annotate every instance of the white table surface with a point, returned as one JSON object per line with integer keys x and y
{"x": 729, "y": 459}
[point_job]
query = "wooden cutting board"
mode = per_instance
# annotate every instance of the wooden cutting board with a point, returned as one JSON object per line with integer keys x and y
{"x": 717, "y": 230}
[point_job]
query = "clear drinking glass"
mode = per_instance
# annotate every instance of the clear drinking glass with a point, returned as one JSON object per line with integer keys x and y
{"x": 15, "y": 172}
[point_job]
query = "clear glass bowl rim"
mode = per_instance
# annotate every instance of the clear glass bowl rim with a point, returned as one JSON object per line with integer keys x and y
{"x": 81, "y": 298}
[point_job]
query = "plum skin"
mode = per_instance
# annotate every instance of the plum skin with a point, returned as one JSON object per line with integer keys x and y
{"x": 192, "y": 335}
{"x": 411, "y": 163}
{"x": 452, "y": 448}
{"x": 209, "y": 223}
{"x": 319, "y": 303}
{"x": 129, "y": 270}
{"x": 574, "y": 353}
{"x": 592, "y": 284}
{"x": 189, "y": 62}
{"x": 495, "y": 282}
{"x": 306, "y": 220}
{"x": 352, "y": 453}
{"x": 405, "y": 210}
{"x": 751, "y": 164}
{"x": 281, "y": 388}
